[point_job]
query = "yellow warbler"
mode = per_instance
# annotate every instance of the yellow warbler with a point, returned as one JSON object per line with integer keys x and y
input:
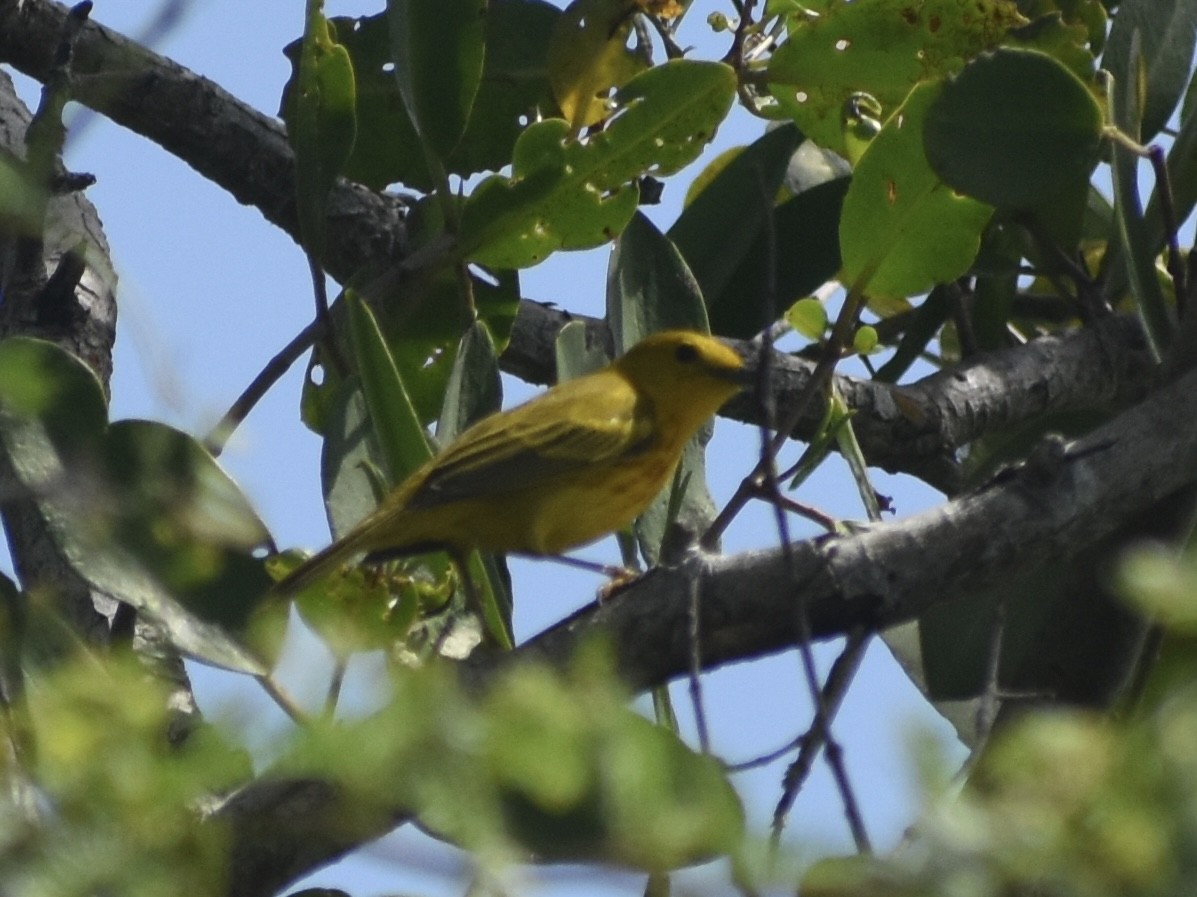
{"x": 563, "y": 469}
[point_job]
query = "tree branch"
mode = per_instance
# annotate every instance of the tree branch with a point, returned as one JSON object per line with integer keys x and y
{"x": 225, "y": 140}
{"x": 919, "y": 428}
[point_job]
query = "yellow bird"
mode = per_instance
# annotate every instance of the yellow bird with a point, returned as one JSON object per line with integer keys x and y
{"x": 571, "y": 465}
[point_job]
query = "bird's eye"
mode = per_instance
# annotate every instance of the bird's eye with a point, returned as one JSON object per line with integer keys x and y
{"x": 686, "y": 353}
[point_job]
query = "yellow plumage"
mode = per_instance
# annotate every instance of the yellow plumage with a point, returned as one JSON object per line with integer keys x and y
{"x": 578, "y": 462}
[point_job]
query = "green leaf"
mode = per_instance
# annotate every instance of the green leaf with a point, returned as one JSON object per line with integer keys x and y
{"x": 361, "y": 610}
{"x": 649, "y": 289}
{"x": 1070, "y": 42}
{"x": 438, "y": 47}
{"x": 883, "y": 48}
{"x": 515, "y": 84}
{"x": 809, "y": 318}
{"x": 321, "y": 123}
{"x": 351, "y": 476}
{"x": 421, "y": 320}
{"x": 743, "y": 191}
{"x": 575, "y": 354}
{"x": 805, "y": 256}
{"x": 139, "y": 510}
{"x": 572, "y": 194}
{"x": 1014, "y": 129}
{"x": 401, "y": 439}
{"x": 864, "y": 341}
{"x": 514, "y": 89}
{"x": 1162, "y": 585}
{"x": 581, "y": 776}
{"x": 474, "y": 389}
{"x": 552, "y": 764}
{"x": 387, "y": 148}
{"x": 902, "y": 230}
{"x": 1168, "y": 32}
{"x": 589, "y": 56}
{"x": 367, "y": 618}
{"x": 1182, "y": 171}
{"x": 1134, "y": 239}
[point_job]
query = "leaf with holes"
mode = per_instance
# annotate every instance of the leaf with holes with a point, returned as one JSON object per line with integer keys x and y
{"x": 902, "y": 229}
{"x": 836, "y": 48}
{"x": 566, "y": 193}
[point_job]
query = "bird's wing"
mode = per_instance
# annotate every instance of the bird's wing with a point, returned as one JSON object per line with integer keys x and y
{"x": 567, "y": 429}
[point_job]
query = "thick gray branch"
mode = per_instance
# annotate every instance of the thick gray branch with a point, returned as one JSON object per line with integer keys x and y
{"x": 919, "y": 428}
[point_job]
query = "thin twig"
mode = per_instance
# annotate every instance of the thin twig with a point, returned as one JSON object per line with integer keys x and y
{"x": 333, "y": 696}
{"x": 987, "y": 707}
{"x": 320, "y": 291}
{"x": 765, "y": 477}
{"x": 695, "y": 673}
{"x": 735, "y": 54}
{"x": 216, "y": 440}
{"x": 801, "y": 509}
{"x": 1163, "y": 189}
{"x": 843, "y": 671}
{"x": 282, "y": 699}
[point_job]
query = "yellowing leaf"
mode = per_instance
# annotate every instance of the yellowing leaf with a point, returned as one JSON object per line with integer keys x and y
{"x": 589, "y": 58}
{"x": 662, "y": 9}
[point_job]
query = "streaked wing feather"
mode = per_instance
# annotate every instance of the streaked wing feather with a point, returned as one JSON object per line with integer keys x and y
{"x": 558, "y": 434}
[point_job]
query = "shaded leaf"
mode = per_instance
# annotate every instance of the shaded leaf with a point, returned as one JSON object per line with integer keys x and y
{"x": 401, "y": 438}
{"x": 437, "y": 47}
{"x": 806, "y": 256}
{"x": 1134, "y": 239}
{"x": 321, "y": 122}
{"x": 742, "y": 190}
{"x": 1014, "y": 129}
{"x": 139, "y": 510}
{"x": 649, "y": 289}
{"x": 474, "y": 389}
{"x": 1167, "y": 30}
{"x": 575, "y": 354}
{"x": 589, "y": 58}
{"x": 514, "y": 89}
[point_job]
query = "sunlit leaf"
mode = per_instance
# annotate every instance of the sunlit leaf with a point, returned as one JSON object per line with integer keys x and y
{"x": 835, "y": 48}
{"x": 571, "y": 194}
{"x": 903, "y": 230}
{"x": 589, "y": 59}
